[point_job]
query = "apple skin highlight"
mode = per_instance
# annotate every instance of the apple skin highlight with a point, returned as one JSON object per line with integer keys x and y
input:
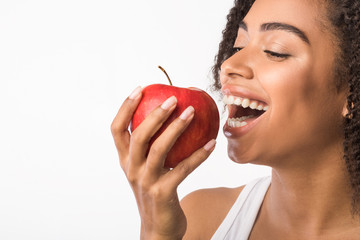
{"x": 203, "y": 127}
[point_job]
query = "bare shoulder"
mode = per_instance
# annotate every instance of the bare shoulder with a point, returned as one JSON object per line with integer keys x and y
{"x": 206, "y": 209}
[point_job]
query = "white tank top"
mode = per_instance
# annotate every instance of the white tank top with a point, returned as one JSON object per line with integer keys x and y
{"x": 239, "y": 221}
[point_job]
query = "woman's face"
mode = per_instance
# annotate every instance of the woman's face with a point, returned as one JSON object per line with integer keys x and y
{"x": 284, "y": 62}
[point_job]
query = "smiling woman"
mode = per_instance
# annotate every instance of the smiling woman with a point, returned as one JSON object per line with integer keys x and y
{"x": 300, "y": 58}
{"x": 289, "y": 73}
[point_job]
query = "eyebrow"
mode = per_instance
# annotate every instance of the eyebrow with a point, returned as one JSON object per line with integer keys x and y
{"x": 279, "y": 26}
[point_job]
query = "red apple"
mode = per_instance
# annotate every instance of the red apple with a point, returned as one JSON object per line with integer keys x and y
{"x": 203, "y": 127}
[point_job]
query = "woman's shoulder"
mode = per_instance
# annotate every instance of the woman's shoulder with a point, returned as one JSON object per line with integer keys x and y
{"x": 205, "y": 210}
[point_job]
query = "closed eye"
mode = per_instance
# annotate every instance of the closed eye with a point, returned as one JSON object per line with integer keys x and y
{"x": 277, "y": 55}
{"x": 271, "y": 54}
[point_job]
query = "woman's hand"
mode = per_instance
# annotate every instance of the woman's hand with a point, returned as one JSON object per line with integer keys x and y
{"x": 154, "y": 186}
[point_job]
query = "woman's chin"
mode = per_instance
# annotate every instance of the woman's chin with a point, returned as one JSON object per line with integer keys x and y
{"x": 238, "y": 155}
{"x": 244, "y": 155}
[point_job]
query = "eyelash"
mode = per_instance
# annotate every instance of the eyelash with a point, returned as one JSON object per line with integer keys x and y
{"x": 268, "y": 52}
{"x": 277, "y": 55}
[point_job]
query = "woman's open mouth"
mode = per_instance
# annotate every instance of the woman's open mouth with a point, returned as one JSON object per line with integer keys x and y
{"x": 242, "y": 111}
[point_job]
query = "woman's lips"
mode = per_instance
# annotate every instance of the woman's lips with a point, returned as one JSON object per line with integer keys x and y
{"x": 243, "y": 114}
{"x": 236, "y": 128}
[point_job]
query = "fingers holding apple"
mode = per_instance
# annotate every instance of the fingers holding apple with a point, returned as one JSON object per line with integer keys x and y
{"x": 121, "y": 122}
{"x": 145, "y": 172}
{"x": 170, "y": 127}
{"x": 141, "y": 137}
{"x": 155, "y": 187}
{"x": 162, "y": 145}
{"x": 203, "y": 127}
{"x": 187, "y": 166}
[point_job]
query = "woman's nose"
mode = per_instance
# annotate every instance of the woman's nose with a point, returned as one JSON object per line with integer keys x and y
{"x": 236, "y": 67}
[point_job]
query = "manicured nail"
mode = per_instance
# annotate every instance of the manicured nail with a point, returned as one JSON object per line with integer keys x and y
{"x": 136, "y": 93}
{"x": 189, "y": 112}
{"x": 170, "y": 102}
{"x": 210, "y": 145}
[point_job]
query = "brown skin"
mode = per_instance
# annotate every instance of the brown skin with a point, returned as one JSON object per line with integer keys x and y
{"x": 300, "y": 137}
{"x": 155, "y": 187}
{"x": 205, "y": 210}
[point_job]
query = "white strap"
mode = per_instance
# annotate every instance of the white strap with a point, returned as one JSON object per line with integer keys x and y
{"x": 238, "y": 224}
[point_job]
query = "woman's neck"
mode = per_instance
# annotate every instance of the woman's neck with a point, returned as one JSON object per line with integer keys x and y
{"x": 312, "y": 198}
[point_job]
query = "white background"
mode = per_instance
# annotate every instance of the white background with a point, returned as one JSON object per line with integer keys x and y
{"x": 65, "y": 68}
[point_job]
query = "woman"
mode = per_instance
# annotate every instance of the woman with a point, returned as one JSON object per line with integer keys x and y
{"x": 298, "y": 60}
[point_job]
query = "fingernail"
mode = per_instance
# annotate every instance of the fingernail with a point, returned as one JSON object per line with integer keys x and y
{"x": 210, "y": 145}
{"x": 189, "y": 112}
{"x": 136, "y": 93}
{"x": 169, "y": 103}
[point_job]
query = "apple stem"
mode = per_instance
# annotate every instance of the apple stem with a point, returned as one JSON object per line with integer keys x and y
{"x": 166, "y": 75}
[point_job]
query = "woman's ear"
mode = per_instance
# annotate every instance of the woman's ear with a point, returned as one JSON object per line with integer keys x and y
{"x": 345, "y": 99}
{"x": 345, "y": 110}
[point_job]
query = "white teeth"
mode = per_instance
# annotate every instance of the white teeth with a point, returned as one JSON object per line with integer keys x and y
{"x": 244, "y": 102}
{"x": 244, "y": 118}
{"x": 260, "y": 107}
{"x": 225, "y": 99}
{"x": 231, "y": 99}
{"x": 237, "y": 101}
{"x": 238, "y": 122}
{"x": 253, "y": 105}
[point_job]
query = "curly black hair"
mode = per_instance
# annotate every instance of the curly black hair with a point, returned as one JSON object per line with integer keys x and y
{"x": 344, "y": 19}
